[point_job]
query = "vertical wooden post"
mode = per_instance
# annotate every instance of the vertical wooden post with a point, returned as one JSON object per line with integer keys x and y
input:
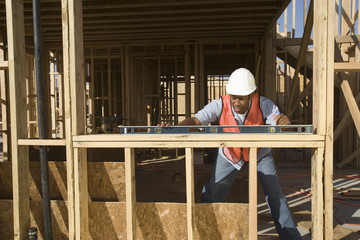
{"x": 109, "y": 85}
{"x": 190, "y": 194}
{"x": 17, "y": 97}
{"x": 197, "y": 87}
{"x": 329, "y": 142}
{"x": 203, "y": 82}
{"x": 187, "y": 83}
{"x": 322, "y": 112}
{"x": 52, "y": 94}
{"x": 4, "y": 102}
{"x": 253, "y": 194}
{"x": 130, "y": 193}
{"x": 317, "y": 194}
{"x": 92, "y": 92}
{"x": 74, "y": 100}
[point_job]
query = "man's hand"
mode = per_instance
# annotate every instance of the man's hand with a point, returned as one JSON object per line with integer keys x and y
{"x": 281, "y": 119}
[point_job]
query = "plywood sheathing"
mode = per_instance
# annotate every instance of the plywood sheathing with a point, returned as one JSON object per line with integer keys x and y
{"x": 153, "y": 220}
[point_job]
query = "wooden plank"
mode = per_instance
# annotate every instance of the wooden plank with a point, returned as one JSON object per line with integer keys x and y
{"x": 348, "y": 159}
{"x": 17, "y": 99}
{"x": 320, "y": 90}
{"x": 78, "y": 116}
{"x": 4, "y": 65}
{"x": 329, "y": 140}
{"x": 347, "y": 67}
{"x": 253, "y": 194}
{"x": 42, "y": 142}
{"x": 199, "y": 137}
{"x": 4, "y": 101}
{"x": 317, "y": 194}
{"x": 81, "y": 194}
{"x": 187, "y": 82}
{"x": 190, "y": 193}
{"x": 130, "y": 186}
{"x": 197, "y": 144}
{"x": 67, "y": 121}
{"x": 347, "y": 38}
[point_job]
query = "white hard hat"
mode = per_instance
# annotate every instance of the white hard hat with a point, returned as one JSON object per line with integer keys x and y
{"x": 241, "y": 83}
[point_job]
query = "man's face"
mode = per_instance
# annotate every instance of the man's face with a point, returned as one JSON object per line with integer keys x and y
{"x": 240, "y": 103}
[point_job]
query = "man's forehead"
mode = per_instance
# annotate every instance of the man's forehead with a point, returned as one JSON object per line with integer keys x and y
{"x": 239, "y": 96}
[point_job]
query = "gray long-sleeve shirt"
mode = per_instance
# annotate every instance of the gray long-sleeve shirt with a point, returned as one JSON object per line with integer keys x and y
{"x": 211, "y": 114}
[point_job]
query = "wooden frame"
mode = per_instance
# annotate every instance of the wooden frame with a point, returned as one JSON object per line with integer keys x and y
{"x": 190, "y": 141}
{"x": 76, "y": 142}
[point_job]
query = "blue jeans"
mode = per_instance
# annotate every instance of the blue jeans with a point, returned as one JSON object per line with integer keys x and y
{"x": 224, "y": 174}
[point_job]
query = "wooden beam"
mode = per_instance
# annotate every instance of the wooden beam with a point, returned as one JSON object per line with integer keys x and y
{"x": 321, "y": 69}
{"x": 4, "y": 65}
{"x": 347, "y": 38}
{"x": 317, "y": 207}
{"x": 347, "y": 67}
{"x": 329, "y": 140}
{"x": 4, "y": 101}
{"x": 253, "y": 194}
{"x": 67, "y": 121}
{"x": 42, "y": 142}
{"x": 18, "y": 128}
{"x": 130, "y": 193}
{"x": 190, "y": 193}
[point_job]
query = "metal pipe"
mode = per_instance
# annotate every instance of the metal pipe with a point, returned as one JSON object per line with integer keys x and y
{"x": 41, "y": 118}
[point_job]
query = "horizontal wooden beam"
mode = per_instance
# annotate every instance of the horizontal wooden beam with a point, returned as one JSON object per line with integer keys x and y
{"x": 347, "y": 38}
{"x": 41, "y": 142}
{"x": 346, "y": 67}
{"x": 199, "y": 140}
{"x": 4, "y": 65}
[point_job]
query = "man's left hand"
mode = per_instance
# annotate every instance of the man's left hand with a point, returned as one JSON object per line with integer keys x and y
{"x": 281, "y": 119}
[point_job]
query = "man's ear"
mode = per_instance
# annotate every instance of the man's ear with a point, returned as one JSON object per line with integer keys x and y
{"x": 251, "y": 96}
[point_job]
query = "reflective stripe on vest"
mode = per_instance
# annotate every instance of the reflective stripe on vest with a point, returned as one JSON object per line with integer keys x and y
{"x": 254, "y": 117}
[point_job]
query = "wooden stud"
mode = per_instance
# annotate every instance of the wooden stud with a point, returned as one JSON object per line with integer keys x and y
{"x": 187, "y": 83}
{"x": 347, "y": 67}
{"x": 329, "y": 141}
{"x": 92, "y": 92}
{"x": 53, "y": 101}
{"x": 67, "y": 121}
{"x": 253, "y": 194}
{"x": 130, "y": 193}
{"x": 190, "y": 193}
{"x": 17, "y": 97}
{"x": 317, "y": 194}
{"x": 109, "y": 85}
{"x": 4, "y": 65}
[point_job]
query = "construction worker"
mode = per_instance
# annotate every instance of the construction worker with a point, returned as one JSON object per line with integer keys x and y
{"x": 245, "y": 107}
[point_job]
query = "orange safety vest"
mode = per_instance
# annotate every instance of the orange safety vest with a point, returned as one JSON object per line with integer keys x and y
{"x": 254, "y": 117}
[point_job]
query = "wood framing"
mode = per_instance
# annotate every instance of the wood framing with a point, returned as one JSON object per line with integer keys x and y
{"x": 162, "y": 66}
{"x": 17, "y": 97}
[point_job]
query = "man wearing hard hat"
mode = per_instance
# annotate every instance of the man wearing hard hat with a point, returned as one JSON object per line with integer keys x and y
{"x": 245, "y": 107}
